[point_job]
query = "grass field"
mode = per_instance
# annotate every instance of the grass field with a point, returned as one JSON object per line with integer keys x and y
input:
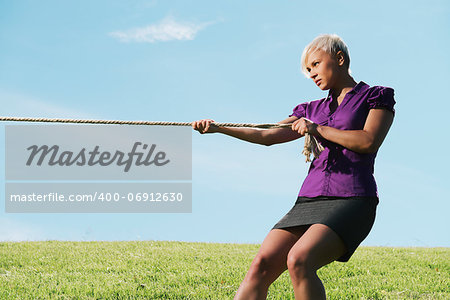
{"x": 181, "y": 270}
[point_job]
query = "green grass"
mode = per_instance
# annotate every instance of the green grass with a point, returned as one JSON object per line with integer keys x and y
{"x": 180, "y": 270}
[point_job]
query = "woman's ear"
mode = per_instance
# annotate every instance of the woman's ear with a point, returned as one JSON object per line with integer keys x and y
{"x": 340, "y": 58}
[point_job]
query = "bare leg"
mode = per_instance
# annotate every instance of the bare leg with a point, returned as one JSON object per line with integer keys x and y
{"x": 269, "y": 263}
{"x": 318, "y": 246}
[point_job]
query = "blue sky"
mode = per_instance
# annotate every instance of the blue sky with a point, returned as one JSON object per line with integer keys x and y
{"x": 233, "y": 61}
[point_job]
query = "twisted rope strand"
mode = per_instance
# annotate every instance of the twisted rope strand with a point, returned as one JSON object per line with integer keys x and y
{"x": 311, "y": 144}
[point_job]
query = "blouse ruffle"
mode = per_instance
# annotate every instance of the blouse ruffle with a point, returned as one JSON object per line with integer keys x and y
{"x": 381, "y": 97}
{"x": 299, "y": 111}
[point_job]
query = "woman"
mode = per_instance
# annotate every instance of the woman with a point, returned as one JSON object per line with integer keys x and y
{"x": 336, "y": 205}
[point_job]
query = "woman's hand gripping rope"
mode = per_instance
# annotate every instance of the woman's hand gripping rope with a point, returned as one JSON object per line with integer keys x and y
{"x": 307, "y": 128}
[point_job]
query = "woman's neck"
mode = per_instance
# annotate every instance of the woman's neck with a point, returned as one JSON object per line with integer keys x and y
{"x": 342, "y": 88}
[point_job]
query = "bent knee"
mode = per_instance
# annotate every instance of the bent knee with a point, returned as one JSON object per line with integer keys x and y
{"x": 260, "y": 263}
{"x": 300, "y": 260}
{"x": 263, "y": 265}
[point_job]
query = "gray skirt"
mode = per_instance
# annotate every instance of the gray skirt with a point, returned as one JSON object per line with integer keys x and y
{"x": 351, "y": 218}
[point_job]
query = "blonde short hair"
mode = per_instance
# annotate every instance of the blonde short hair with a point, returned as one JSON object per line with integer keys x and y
{"x": 330, "y": 43}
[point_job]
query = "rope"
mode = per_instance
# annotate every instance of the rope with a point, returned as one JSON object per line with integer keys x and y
{"x": 311, "y": 144}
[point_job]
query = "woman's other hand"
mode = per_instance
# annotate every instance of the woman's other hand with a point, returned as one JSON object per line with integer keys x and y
{"x": 303, "y": 126}
{"x": 204, "y": 126}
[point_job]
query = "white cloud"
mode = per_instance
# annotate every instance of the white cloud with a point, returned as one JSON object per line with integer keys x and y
{"x": 166, "y": 30}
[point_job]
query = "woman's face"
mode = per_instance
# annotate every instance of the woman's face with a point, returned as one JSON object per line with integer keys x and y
{"x": 323, "y": 69}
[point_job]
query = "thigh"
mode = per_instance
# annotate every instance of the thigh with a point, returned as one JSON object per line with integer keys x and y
{"x": 319, "y": 246}
{"x": 275, "y": 247}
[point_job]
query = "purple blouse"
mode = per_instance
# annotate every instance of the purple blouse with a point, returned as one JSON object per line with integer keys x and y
{"x": 339, "y": 171}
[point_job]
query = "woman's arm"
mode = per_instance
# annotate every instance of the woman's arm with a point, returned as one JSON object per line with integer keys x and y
{"x": 265, "y": 137}
{"x": 367, "y": 140}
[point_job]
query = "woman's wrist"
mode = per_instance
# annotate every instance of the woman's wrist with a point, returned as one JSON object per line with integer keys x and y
{"x": 315, "y": 129}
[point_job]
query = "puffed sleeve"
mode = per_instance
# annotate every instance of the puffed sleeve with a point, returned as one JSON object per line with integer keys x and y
{"x": 299, "y": 111}
{"x": 382, "y": 97}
